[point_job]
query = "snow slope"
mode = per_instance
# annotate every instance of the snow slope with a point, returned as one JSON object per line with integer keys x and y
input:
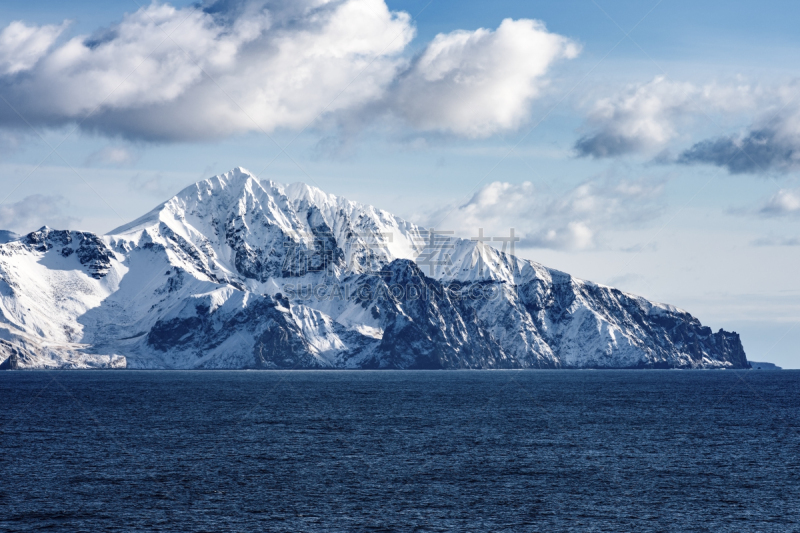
{"x": 237, "y": 273}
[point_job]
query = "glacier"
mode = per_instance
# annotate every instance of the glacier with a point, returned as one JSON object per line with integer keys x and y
{"x": 235, "y": 272}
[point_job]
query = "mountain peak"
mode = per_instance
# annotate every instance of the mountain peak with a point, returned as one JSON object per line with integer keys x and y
{"x": 238, "y": 176}
{"x": 225, "y": 188}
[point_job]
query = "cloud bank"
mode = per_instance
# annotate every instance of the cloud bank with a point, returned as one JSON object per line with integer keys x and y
{"x": 35, "y": 211}
{"x": 577, "y": 219}
{"x": 771, "y": 144}
{"x": 645, "y": 117}
{"x": 772, "y": 241}
{"x": 757, "y": 152}
{"x": 226, "y": 67}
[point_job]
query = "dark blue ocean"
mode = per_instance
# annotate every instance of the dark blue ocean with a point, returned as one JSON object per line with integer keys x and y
{"x": 400, "y": 451}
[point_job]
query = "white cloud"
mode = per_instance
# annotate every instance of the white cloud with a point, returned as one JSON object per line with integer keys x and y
{"x": 189, "y": 73}
{"x": 33, "y": 212}
{"x": 478, "y": 83}
{"x": 577, "y": 219}
{"x": 228, "y": 67}
{"x": 770, "y": 144}
{"x": 572, "y": 236}
{"x": 22, "y": 46}
{"x": 784, "y": 202}
{"x": 491, "y": 205}
{"x": 647, "y": 116}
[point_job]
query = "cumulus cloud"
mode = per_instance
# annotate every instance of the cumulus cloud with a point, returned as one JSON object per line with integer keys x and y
{"x": 491, "y": 205}
{"x": 647, "y": 116}
{"x": 35, "y": 211}
{"x": 784, "y": 202}
{"x": 759, "y": 151}
{"x": 231, "y": 66}
{"x": 217, "y": 69}
{"x": 22, "y": 46}
{"x": 771, "y": 144}
{"x": 478, "y": 83}
{"x": 577, "y": 219}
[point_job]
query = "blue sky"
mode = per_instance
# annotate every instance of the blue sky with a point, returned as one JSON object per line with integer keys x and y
{"x": 663, "y": 162}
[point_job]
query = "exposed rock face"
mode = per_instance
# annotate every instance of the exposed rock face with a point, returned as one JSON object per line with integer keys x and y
{"x": 88, "y": 248}
{"x": 237, "y": 273}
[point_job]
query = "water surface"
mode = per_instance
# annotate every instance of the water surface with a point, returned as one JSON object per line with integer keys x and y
{"x": 400, "y": 451}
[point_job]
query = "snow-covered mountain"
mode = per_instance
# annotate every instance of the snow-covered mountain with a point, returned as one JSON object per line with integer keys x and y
{"x": 238, "y": 273}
